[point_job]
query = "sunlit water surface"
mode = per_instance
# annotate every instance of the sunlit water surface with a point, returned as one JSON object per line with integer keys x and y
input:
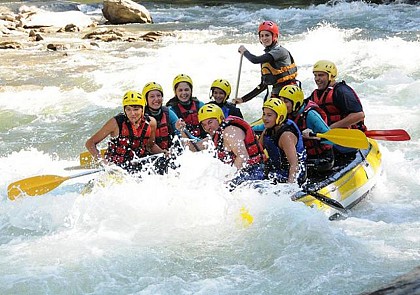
{"x": 181, "y": 233}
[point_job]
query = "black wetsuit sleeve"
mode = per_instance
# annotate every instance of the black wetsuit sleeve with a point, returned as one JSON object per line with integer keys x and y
{"x": 266, "y": 57}
{"x": 236, "y": 112}
{"x": 257, "y": 90}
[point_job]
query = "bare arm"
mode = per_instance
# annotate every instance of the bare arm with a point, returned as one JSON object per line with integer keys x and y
{"x": 350, "y": 119}
{"x": 287, "y": 142}
{"x": 234, "y": 140}
{"x": 110, "y": 128}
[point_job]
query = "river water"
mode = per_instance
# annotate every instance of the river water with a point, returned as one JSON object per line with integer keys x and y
{"x": 181, "y": 233}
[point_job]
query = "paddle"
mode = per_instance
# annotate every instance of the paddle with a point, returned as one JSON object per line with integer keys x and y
{"x": 190, "y": 136}
{"x": 256, "y": 122}
{"x": 239, "y": 75}
{"x": 87, "y": 160}
{"x": 391, "y": 135}
{"x": 352, "y": 138}
{"x": 39, "y": 185}
{"x": 88, "y": 165}
{"x": 327, "y": 201}
{"x": 246, "y": 218}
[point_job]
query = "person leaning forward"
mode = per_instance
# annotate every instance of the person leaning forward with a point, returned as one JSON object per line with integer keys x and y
{"x": 235, "y": 144}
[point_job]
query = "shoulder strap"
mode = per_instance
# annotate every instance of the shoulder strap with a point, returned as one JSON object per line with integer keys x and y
{"x": 120, "y": 118}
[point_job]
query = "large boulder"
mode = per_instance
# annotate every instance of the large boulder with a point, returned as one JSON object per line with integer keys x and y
{"x": 125, "y": 11}
{"x": 32, "y": 17}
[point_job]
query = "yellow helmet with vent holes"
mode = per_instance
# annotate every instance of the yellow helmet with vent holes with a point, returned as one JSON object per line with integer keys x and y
{"x": 278, "y": 107}
{"x": 209, "y": 111}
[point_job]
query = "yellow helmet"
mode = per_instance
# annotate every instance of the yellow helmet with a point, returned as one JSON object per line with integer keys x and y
{"x": 182, "y": 78}
{"x": 278, "y": 107}
{"x": 132, "y": 97}
{"x": 326, "y": 66}
{"x": 294, "y": 94}
{"x": 149, "y": 87}
{"x": 210, "y": 110}
{"x": 224, "y": 85}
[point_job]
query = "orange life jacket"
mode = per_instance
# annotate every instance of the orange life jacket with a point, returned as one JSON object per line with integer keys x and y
{"x": 273, "y": 74}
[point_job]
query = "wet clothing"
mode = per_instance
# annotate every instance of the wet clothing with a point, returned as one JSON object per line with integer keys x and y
{"x": 277, "y": 166}
{"x": 165, "y": 129}
{"x": 254, "y": 169}
{"x": 253, "y": 147}
{"x": 130, "y": 144}
{"x": 320, "y": 156}
{"x": 229, "y": 109}
{"x": 165, "y": 138}
{"x": 189, "y": 113}
{"x": 278, "y": 69}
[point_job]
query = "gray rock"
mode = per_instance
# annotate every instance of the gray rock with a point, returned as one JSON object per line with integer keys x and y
{"x": 408, "y": 284}
{"x": 125, "y": 11}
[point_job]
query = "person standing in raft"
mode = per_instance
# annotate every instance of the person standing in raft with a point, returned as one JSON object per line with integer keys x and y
{"x": 284, "y": 143}
{"x": 185, "y": 106}
{"x": 339, "y": 101}
{"x": 278, "y": 67}
{"x": 235, "y": 143}
{"x": 132, "y": 135}
{"x": 310, "y": 118}
{"x": 219, "y": 94}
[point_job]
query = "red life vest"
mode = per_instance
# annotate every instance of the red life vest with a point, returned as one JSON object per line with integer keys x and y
{"x": 313, "y": 146}
{"x": 163, "y": 133}
{"x": 253, "y": 147}
{"x": 191, "y": 118}
{"x": 130, "y": 142}
{"x": 326, "y": 102}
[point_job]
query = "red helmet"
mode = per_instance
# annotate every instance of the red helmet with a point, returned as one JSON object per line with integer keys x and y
{"x": 271, "y": 27}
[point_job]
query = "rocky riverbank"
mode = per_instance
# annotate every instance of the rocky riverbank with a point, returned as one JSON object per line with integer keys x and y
{"x": 34, "y": 27}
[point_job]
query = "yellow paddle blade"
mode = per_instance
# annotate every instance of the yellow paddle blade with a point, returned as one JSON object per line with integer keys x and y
{"x": 352, "y": 138}
{"x": 39, "y": 185}
{"x": 246, "y": 218}
{"x": 34, "y": 186}
{"x": 87, "y": 161}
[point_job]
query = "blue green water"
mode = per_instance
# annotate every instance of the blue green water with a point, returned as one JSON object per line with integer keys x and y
{"x": 179, "y": 234}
